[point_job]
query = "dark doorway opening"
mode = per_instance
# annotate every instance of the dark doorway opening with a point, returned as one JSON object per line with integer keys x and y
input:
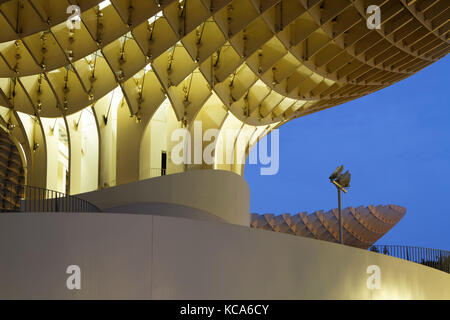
{"x": 163, "y": 163}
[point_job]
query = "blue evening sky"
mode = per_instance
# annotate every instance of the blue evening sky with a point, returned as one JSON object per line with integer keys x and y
{"x": 396, "y": 144}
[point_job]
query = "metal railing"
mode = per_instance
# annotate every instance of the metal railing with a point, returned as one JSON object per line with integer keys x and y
{"x": 22, "y": 198}
{"x": 434, "y": 258}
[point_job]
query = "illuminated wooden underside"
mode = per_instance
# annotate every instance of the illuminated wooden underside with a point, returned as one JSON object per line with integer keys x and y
{"x": 262, "y": 62}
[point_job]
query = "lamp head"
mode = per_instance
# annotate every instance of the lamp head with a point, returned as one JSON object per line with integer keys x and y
{"x": 337, "y": 173}
{"x": 344, "y": 179}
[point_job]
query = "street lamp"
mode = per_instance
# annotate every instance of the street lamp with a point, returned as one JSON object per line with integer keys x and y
{"x": 341, "y": 181}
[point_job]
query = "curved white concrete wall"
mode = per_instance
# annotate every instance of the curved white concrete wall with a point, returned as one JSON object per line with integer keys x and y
{"x": 131, "y": 256}
{"x": 223, "y": 194}
{"x": 166, "y": 209}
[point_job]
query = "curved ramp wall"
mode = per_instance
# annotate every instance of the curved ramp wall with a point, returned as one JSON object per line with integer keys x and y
{"x": 129, "y": 256}
{"x": 222, "y": 194}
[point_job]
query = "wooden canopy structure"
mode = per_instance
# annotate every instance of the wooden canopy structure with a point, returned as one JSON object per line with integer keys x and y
{"x": 92, "y": 82}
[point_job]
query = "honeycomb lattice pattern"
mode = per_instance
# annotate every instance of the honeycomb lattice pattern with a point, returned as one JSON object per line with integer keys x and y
{"x": 362, "y": 226}
{"x": 246, "y": 64}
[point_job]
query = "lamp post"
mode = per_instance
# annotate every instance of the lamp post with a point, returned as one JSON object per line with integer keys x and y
{"x": 341, "y": 181}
